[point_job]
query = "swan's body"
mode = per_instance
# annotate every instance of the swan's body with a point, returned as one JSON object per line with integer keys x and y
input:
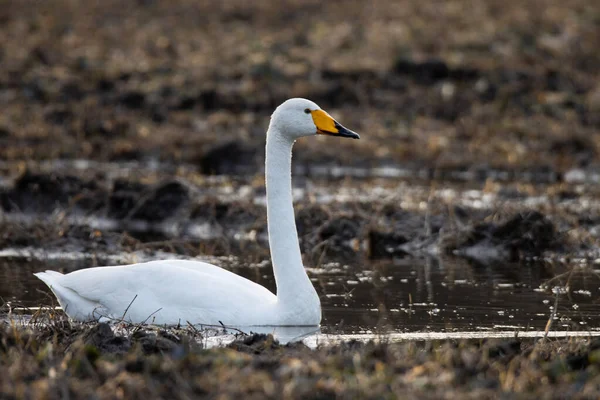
{"x": 176, "y": 291}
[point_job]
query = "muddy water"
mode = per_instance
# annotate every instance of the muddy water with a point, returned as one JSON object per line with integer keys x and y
{"x": 406, "y": 295}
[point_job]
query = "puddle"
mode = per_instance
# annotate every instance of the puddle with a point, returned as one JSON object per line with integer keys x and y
{"x": 449, "y": 296}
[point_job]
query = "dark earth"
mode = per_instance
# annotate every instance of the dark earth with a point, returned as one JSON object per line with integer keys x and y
{"x": 58, "y": 360}
{"x": 140, "y": 126}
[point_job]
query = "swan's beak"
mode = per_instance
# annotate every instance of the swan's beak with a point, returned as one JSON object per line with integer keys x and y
{"x": 326, "y": 125}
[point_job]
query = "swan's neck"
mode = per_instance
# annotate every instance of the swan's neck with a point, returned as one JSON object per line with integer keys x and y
{"x": 293, "y": 285}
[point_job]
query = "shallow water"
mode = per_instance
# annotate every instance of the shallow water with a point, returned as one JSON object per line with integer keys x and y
{"x": 391, "y": 297}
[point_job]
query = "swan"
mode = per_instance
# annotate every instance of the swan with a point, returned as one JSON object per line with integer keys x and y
{"x": 170, "y": 292}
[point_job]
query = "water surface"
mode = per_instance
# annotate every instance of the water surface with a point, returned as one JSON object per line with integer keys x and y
{"x": 399, "y": 296}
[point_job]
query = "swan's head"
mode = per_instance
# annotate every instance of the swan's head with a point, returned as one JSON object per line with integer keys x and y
{"x": 296, "y": 118}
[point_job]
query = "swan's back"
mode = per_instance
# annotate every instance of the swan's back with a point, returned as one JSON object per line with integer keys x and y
{"x": 162, "y": 292}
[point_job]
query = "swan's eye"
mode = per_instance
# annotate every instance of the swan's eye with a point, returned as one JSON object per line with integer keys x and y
{"x": 307, "y": 111}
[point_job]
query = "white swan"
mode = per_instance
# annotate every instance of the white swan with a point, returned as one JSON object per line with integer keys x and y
{"x": 176, "y": 291}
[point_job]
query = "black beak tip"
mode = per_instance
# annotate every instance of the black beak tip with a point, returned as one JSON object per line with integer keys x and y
{"x": 345, "y": 132}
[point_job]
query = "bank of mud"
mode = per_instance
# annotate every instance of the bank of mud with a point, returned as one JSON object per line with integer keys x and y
{"x": 338, "y": 220}
{"x": 82, "y": 361}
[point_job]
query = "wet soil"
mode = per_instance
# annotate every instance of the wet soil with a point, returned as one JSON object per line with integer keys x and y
{"x": 61, "y": 359}
{"x": 501, "y": 85}
{"x": 337, "y": 221}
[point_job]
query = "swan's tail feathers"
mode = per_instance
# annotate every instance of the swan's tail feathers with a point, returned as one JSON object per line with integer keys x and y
{"x": 48, "y": 276}
{"x": 76, "y": 306}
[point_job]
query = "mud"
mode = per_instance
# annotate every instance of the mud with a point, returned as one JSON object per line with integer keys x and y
{"x": 499, "y": 92}
{"x": 525, "y": 234}
{"x": 170, "y": 209}
{"x": 82, "y": 361}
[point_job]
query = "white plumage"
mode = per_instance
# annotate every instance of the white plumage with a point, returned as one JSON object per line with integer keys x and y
{"x": 176, "y": 291}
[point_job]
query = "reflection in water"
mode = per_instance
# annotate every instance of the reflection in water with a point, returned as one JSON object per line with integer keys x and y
{"x": 285, "y": 334}
{"x": 323, "y": 339}
{"x": 405, "y": 295}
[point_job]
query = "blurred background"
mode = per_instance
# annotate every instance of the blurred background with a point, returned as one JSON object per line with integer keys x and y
{"x": 442, "y": 84}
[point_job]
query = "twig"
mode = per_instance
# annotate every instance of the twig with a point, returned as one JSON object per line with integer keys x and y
{"x": 139, "y": 326}
{"x": 230, "y": 328}
{"x": 127, "y": 309}
{"x": 552, "y": 316}
{"x": 196, "y": 331}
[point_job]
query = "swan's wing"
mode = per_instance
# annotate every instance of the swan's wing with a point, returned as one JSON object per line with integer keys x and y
{"x": 170, "y": 292}
{"x": 197, "y": 266}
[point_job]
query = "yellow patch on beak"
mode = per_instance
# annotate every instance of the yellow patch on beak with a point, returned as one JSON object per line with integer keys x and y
{"x": 326, "y": 125}
{"x": 324, "y": 122}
